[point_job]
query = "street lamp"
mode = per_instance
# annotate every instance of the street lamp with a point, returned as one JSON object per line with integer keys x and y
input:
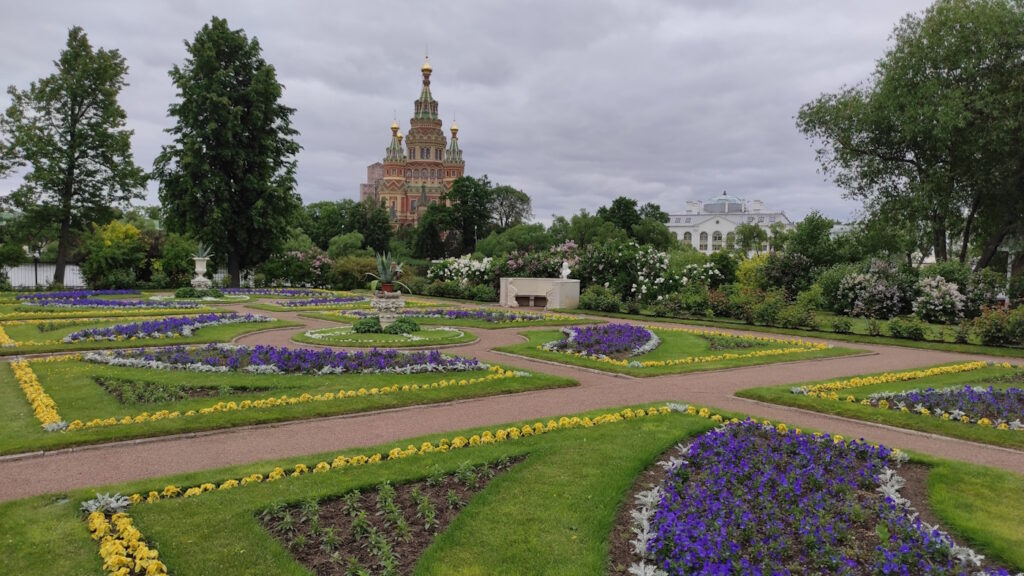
{"x": 35, "y": 264}
{"x": 1012, "y": 247}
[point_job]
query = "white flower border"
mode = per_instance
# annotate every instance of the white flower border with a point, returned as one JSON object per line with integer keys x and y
{"x": 321, "y": 334}
{"x": 923, "y": 410}
{"x": 185, "y": 332}
{"x": 648, "y": 346}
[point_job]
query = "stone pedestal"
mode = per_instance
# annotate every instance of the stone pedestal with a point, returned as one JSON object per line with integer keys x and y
{"x": 387, "y": 305}
{"x": 200, "y": 281}
{"x": 556, "y": 292}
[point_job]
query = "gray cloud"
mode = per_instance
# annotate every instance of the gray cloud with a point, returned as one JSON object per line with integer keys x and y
{"x": 575, "y": 102}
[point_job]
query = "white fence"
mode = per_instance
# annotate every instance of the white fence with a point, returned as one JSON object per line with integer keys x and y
{"x": 41, "y": 275}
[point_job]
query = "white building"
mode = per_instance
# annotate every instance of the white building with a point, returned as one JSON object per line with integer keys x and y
{"x": 711, "y": 226}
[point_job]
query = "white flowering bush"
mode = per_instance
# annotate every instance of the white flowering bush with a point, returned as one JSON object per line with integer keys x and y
{"x": 870, "y": 295}
{"x": 939, "y": 301}
{"x": 703, "y": 274}
{"x": 464, "y": 270}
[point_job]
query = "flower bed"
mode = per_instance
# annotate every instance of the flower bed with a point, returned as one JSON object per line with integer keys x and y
{"x": 122, "y": 546}
{"x": 274, "y": 360}
{"x": 607, "y": 340}
{"x": 161, "y": 328}
{"x": 489, "y": 316}
{"x": 320, "y": 302}
{"x": 283, "y": 292}
{"x": 346, "y": 336}
{"x": 86, "y": 302}
{"x": 988, "y": 407}
{"x": 73, "y": 294}
{"x": 754, "y": 498}
{"x": 830, "y": 390}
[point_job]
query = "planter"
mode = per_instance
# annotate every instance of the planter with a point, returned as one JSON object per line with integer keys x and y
{"x": 387, "y": 287}
{"x": 200, "y": 281}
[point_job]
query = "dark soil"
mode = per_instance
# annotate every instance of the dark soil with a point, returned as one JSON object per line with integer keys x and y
{"x": 621, "y": 554}
{"x": 323, "y": 535}
{"x": 132, "y": 392}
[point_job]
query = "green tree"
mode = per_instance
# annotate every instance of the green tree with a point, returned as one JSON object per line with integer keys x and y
{"x": 176, "y": 259}
{"x": 812, "y": 238}
{"x": 622, "y": 213}
{"x": 585, "y": 228}
{"x": 470, "y": 208}
{"x": 655, "y": 233}
{"x": 429, "y": 239}
{"x": 373, "y": 222}
{"x": 654, "y": 212}
{"x": 113, "y": 255}
{"x": 750, "y": 238}
{"x": 531, "y": 237}
{"x": 345, "y": 244}
{"x": 778, "y": 236}
{"x": 69, "y": 128}
{"x": 938, "y": 132}
{"x": 229, "y": 177}
{"x": 510, "y": 207}
{"x": 322, "y": 221}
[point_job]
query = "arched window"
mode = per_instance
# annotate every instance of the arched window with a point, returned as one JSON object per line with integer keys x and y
{"x": 416, "y": 173}
{"x": 431, "y": 173}
{"x": 730, "y": 241}
{"x": 688, "y": 238}
{"x": 408, "y": 173}
{"x": 703, "y": 242}
{"x": 716, "y": 241}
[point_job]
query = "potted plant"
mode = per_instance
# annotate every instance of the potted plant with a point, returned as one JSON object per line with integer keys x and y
{"x": 388, "y": 271}
{"x": 201, "y": 257}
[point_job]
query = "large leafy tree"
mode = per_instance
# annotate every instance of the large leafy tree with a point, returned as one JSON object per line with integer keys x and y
{"x": 622, "y": 212}
{"x": 469, "y": 201}
{"x": 68, "y": 128}
{"x": 228, "y": 179}
{"x": 939, "y": 128}
{"x": 510, "y": 207}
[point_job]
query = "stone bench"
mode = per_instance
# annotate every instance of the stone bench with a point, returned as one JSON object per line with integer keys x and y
{"x": 556, "y": 292}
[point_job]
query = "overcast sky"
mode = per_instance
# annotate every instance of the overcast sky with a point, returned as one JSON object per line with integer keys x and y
{"x": 574, "y": 102}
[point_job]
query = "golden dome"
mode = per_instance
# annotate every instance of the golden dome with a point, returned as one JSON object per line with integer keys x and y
{"x": 399, "y": 136}
{"x": 394, "y": 127}
{"x": 426, "y": 65}
{"x": 455, "y": 128}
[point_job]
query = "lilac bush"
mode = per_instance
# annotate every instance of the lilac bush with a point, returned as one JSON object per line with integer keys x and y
{"x": 88, "y": 302}
{"x": 869, "y": 295}
{"x": 322, "y": 301}
{"x": 750, "y": 499}
{"x": 277, "y": 360}
{"x": 73, "y": 294}
{"x": 967, "y": 404}
{"x": 605, "y": 340}
{"x": 939, "y": 301}
{"x": 161, "y": 328}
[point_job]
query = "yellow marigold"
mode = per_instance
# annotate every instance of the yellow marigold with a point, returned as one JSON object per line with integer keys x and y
{"x": 228, "y": 485}
{"x": 170, "y": 491}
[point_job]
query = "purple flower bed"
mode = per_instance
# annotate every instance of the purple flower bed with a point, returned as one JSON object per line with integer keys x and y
{"x": 272, "y": 291}
{"x": 164, "y": 327}
{"x": 72, "y": 294}
{"x": 605, "y": 340}
{"x": 974, "y": 402}
{"x": 450, "y": 314}
{"x": 320, "y": 301}
{"x": 298, "y": 360}
{"x": 750, "y": 500}
{"x": 87, "y": 302}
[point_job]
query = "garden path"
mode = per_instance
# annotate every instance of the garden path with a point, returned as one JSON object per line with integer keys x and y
{"x": 41, "y": 473}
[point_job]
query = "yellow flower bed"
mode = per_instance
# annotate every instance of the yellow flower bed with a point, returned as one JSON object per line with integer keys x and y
{"x": 122, "y": 547}
{"x": 797, "y": 346}
{"x": 830, "y": 390}
{"x": 5, "y": 340}
{"x": 44, "y": 408}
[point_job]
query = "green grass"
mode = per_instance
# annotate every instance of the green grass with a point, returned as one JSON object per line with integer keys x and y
{"x": 674, "y": 345}
{"x": 551, "y": 514}
{"x": 859, "y": 325}
{"x": 343, "y": 336}
{"x": 72, "y": 386}
{"x": 49, "y": 341}
{"x": 340, "y": 316}
{"x": 973, "y": 432}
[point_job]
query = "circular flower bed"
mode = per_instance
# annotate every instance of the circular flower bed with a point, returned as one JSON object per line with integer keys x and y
{"x": 326, "y": 301}
{"x": 275, "y": 360}
{"x": 606, "y": 340}
{"x": 346, "y": 336}
{"x": 492, "y": 316}
{"x": 161, "y": 328}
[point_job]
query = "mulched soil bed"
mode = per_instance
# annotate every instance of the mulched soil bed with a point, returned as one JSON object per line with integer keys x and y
{"x": 621, "y": 554}
{"x": 322, "y": 535}
{"x": 132, "y": 393}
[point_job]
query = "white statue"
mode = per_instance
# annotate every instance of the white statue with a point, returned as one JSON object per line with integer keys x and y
{"x": 565, "y": 270}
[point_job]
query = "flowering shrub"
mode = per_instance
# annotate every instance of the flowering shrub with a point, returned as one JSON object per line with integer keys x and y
{"x": 606, "y": 340}
{"x": 635, "y": 272}
{"x": 88, "y": 302}
{"x": 73, "y": 294}
{"x": 754, "y": 498}
{"x": 869, "y": 295}
{"x": 274, "y": 360}
{"x": 939, "y": 301}
{"x": 320, "y": 302}
{"x": 161, "y": 328}
{"x": 1000, "y": 409}
{"x": 464, "y": 270}
{"x": 703, "y": 274}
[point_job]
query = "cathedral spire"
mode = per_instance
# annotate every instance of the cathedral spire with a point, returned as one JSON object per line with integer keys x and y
{"x": 453, "y": 155}
{"x": 395, "y": 152}
{"x": 426, "y": 106}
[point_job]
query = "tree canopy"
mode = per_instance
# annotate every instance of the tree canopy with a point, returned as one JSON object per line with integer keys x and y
{"x": 228, "y": 178}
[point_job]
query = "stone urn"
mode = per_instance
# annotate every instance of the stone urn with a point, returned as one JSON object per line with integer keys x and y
{"x": 387, "y": 306}
{"x": 200, "y": 281}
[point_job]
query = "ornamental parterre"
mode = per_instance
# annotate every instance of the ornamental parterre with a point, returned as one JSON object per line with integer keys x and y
{"x": 493, "y": 316}
{"x": 161, "y": 328}
{"x": 606, "y": 340}
{"x": 750, "y": 498}
{"x": 285, "y": 292}
{"x": 326, "y": 301}
{"x": 87, "y": 302}
{"x": 1000, "y": 409}
{"x": 73, "y": 294}
{"x": 275, "y": 360}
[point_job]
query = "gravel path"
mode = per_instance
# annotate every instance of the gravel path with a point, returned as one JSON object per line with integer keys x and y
{"x": 123, "y": 461}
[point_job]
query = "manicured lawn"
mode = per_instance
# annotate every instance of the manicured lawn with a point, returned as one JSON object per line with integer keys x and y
{"x": 674, "y": 345}
{"x": 555, "y": 320}
{"x": 49, "y": 340}
{"x": 550, "y": 514}
{"x": 343, "y": 336}
{"x": 1010, "y": 438}
{"x": 74, "y": 388}
{"x": 859, "y": 326}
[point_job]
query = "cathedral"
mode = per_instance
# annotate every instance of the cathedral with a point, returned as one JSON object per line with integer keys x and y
{"x": 417, "y": 169}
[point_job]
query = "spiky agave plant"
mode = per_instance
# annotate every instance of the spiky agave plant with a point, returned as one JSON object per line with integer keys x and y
{"x": 388, "y": 270}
